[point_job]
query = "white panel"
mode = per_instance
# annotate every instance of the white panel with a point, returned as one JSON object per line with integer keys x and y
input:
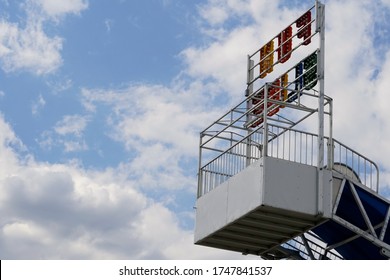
{"x": 280, "y": 184}
{"x": 245, "y": 191}
{"x": 290, "y": 186}
{"x": 211, "y": 211}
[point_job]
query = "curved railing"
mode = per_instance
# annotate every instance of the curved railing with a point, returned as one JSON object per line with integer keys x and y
{"x": 358, "y": 165}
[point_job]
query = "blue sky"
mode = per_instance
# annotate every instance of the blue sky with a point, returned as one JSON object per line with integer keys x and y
{"x": 102, "y": 102}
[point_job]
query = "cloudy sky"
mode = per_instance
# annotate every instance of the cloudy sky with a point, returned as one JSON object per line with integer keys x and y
{"x": 102, "y": 102}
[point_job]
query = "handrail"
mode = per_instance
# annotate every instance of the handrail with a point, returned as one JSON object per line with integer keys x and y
{"x": 353, "y": 159}
{"x": 287, "y": 144}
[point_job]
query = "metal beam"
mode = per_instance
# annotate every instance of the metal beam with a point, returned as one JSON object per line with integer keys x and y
{"x": 386, "y": 222}
{"x": 350, "y": 239}
{"x": 336, "y": 203}
{"x": 385, "y": 252}
{"x": 376, "y": 241}
{"x": 308, "y": 249}
{"x": 320, "y": 27}
{"x": 362, "y": 210}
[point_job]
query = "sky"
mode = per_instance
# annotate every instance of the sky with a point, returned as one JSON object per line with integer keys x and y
{"x": 102, "y": 102}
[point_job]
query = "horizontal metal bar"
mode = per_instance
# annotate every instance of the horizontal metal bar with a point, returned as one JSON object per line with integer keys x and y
{"x": 350, "y": 239}
{"x": 376, "y": 241}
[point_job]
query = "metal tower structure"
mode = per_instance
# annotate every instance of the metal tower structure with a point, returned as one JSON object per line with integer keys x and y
{"x": 272, "y": 179}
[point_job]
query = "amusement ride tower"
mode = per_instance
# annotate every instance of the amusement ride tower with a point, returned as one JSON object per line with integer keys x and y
{"x": 272, "y": 180}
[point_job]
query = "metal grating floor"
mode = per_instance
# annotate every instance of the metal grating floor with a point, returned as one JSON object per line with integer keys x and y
{"x": 261, "y": 231}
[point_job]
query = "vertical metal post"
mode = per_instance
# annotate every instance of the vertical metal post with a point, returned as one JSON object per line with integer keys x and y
{"x": 200, "y": 175}
{"x": 248, "y": 92}
{"x": 330, "y": 144}
{"x": 320, "y": 26}
{"x": 265, "y": 121}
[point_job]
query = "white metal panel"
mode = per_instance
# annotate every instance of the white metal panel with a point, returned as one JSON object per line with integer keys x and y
{"x": 272, "y": 182}
{"x": 292, "y": 186}
{"x": 211, "y": 211}
{"x": 245, "y": 191}
{"x": 229, "y": 201}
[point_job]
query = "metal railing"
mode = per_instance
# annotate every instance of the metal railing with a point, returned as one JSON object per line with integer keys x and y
{"x": 287, "y": 144}
{"x": 293, "y": 145}
{"x": 229, "y": 162}
{"x": 356, "y": 166}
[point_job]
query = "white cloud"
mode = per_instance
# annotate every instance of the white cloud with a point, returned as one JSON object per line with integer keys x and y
{"x": 28, "y": 49}
{"x": 153, "y": 113}
{"x": 67, "y": 133}
{"x": 160, "y": 125}
{"x": 108, "y": 24}
{"x": 25, "y": 46}
{"x": 215, "y": 15}
{"x": 60, "y": 85}
{"x": 74, "y": 145}
{"x": 224, "y": 60}
{"x": 357, "y": 67}
{"x": 9, "y": 150}
{"x": 386, "y": 2}
{"x": 71, "y": 124}
{"x": 224, "y": 57}
{"x": 62, "y": 211}
{"x": 58, "y": 8}
{"x": 38, "y": 105}
{"x": 48, "y": 140}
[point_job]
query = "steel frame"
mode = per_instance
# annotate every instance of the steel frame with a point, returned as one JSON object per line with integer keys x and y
{"x": 368, "y": 233}
{"x": 306, "y": 246}
{"x": 238, "y": 138}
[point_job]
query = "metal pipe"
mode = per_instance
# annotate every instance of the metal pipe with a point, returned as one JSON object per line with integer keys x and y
{"x": 320, "y": 15}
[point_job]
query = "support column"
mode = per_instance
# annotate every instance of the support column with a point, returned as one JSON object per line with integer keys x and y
{"x": 320, "y": 26}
